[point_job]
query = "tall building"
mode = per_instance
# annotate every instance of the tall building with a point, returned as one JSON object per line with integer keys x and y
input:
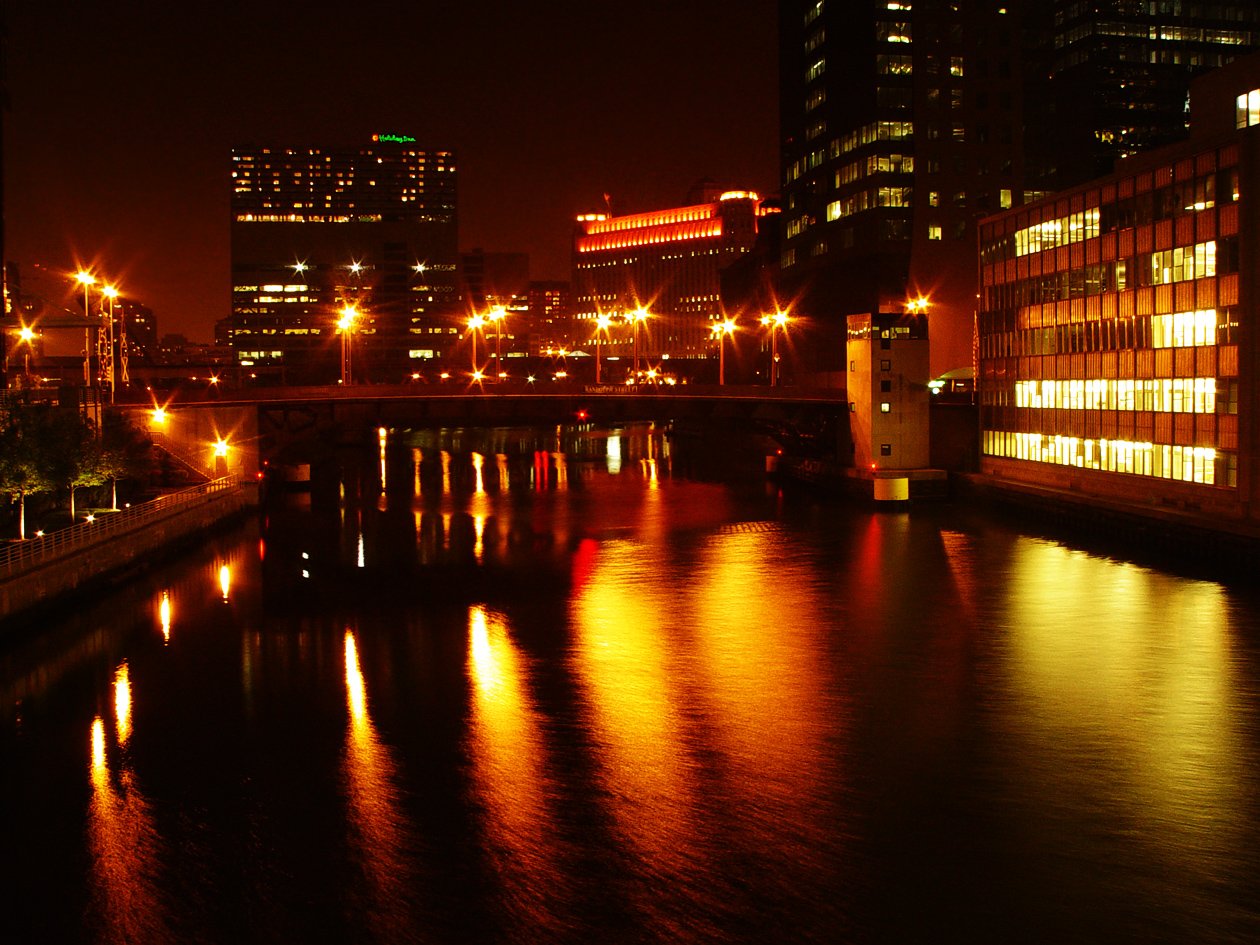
{"x": 900, "y": 125}
{"x": 1111, "y": 78}
{"x": 1117, "y": 351}
{"x": 549, "y": 323}
{"x": 667, "y": 262}
{"x": 316, "y": 230}
{"x": 904, "y": 122}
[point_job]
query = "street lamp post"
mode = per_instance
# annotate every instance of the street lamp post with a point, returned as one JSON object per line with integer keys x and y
{"x": 637, "y": 317}
{"x": 720, "y": 331}
{"x": 497, "y": 315}
{"x": 601, "y": 328}
{"x": 346, "y": 325}
{"x": 87, "y": 280}
{"x": 26, "y": 336}
{"x": 475, "y": 324}
{"x": 774, "y": 322}
{"x": 111, "y": 293}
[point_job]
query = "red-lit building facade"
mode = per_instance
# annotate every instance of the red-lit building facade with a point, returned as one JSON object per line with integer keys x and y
{"x": 1117, "y": 348}
{"x": 667, "y": 262}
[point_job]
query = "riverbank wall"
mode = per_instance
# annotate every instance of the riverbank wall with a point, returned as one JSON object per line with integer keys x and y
{"x": 53, "y": 571}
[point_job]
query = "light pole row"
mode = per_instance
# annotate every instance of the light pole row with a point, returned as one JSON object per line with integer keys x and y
{"x": 113, "y": 369}
{"x": 719, "y": 331}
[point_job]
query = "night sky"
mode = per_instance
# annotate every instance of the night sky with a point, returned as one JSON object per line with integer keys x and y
{"x": 122, "y": 116}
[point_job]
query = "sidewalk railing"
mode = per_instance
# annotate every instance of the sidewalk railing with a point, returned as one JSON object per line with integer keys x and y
{"x": 23, "y": 555}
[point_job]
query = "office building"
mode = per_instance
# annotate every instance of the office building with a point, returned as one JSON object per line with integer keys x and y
{"x": 549, "y": 325}
{"x": 900, "y": 126}
{"x": 1117, "y": 353}
{"x": 905, "y": 122}
{"x": 666, "y": 262}
{"x": 317, "y": 230}
{"x": 1111, "y": 78}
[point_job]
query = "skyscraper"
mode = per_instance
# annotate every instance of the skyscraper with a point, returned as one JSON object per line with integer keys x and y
{"x": 900, "y": 123}
{"x": 1111, "y": 78}
{"x": 904, "y": 121}
{"x": 318, "y": 230}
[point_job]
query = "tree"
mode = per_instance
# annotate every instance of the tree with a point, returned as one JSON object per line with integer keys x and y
{"x": 24, "y": 460}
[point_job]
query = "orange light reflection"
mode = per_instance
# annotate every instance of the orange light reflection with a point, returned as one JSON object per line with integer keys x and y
{"x": 508, "y": 753}
{"x": 380, "y": 833}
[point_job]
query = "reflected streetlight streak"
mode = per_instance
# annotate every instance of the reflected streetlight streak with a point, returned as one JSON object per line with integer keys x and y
{"x": 382, "y": 436}
{"x": 614, "y": 454}
{"x": 164, "y": 615}
{"x": 123, "y": 846}
{"x": 446, "y": 472}
{"x": 122, "y": 703}
{"x": 225, "y": 581}
{"x": 507, "y": 747}
{"x": 501, "y": 462}
{"x": 380, "y": 832}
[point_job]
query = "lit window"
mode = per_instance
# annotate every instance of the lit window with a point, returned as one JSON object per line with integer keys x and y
{"x": 885, "y": 407}
{"x": 934, "y": 231}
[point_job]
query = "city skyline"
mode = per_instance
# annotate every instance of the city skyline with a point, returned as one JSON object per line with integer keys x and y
{"x": 543, "y": 125}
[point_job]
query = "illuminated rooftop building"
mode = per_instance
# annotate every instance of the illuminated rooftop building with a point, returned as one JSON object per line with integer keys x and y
{"x": 1117, "y": 350}
{"x": 667, "y": 262}
{"x": 316, "y": 229}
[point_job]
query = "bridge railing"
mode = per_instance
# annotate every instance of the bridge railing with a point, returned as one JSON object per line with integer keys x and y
{"x": 21, "y": 556}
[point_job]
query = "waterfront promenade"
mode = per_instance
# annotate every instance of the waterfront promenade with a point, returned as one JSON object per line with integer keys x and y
{"x": 35, "y": 571}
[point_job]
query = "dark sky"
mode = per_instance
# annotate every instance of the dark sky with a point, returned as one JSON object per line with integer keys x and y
{"x": 122, "y": 116}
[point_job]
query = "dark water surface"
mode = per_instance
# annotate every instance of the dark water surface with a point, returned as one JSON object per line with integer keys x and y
{"x": 568, "y": 687}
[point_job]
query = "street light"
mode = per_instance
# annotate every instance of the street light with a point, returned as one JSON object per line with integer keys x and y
{"x": 345, "y": 325}
{"x": 720, "y": 331}
{"x": 497, "y": 316}
{"x": 111, "y": 293}
{"x": 778, "y": 320}
{"x": 26, "y": 336}
{"x": 87, "y": 280}
{"x": 475, "y": 324}
{"x": 601, "y": 328}
{"x": 636, "y": 318}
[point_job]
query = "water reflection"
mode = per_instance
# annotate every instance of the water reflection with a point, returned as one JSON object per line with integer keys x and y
{"x": 122, "y": 703}
{"x": 122, "y": 840}
{"x": 381, "y": 837}
{"x": 1126, "y": 673}
{"x": 638, "y": 723}
{"x": 164, "y": 615}
{"x": 509, "y": 761}
{"x": 639, "y": 710}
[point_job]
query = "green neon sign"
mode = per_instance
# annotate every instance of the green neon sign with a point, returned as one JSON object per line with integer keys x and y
{"x": 395, "y": 139}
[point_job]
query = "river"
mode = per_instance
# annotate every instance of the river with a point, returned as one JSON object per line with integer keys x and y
{"x": 582, "y": 686}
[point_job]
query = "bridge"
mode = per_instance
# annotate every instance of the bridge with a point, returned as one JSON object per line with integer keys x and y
{"x": 241, "y": 431}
